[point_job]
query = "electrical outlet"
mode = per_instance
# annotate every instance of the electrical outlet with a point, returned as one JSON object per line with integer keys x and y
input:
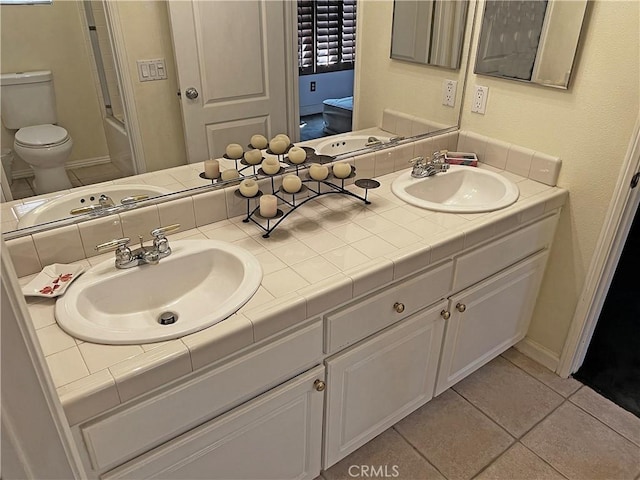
{"x": 449, "y": 92}
{"x": 479, "y": 104}
{"x": 312, "y": 86}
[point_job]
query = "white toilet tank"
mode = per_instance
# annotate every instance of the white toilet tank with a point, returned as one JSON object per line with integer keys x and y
{"x": 27, "y": 98}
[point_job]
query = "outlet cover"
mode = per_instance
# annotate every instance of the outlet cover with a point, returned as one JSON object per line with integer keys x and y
{"x": 449, "y": 92}
{"x": 479, "y": 103}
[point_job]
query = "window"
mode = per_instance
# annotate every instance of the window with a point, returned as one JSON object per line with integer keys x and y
{"x": 326, "y": 35}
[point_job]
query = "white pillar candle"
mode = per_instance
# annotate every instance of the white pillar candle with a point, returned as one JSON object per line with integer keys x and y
{"x": 259, "y": 141}
{"x": 278, "y": 146}
{"x": 297, "y": 155}
{"x": 291, "y": 183}
{"x": 318, "y": 172}
{"x": 230, "y": 174}
{"x": 270, "y": 165}
{"x": 268, "y": 206}
{"x": 234, "y": 151}
{"x": 211, "y": 168}
{"x": 341, "y": 170}
{"x": 249, "y": 188}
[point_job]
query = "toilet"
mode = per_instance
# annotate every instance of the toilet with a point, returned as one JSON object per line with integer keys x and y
{"x": 29, "y": 106}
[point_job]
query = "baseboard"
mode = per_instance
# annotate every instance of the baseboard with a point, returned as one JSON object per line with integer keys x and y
{"x": 83, "y": 162}
{"x": 539, "y": 353}
{"x": 310, "y": 109}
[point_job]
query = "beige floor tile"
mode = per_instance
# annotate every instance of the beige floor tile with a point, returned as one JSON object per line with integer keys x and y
{"x": 509, "y": 396}
{"x": 519, "y": 463}
{"x": 623, "y": 422}
{"x": 387, "y": 455}
{"x": 564, "y": 386}
{"x": 581, "y": 447}
{"x": 454, "y": 436}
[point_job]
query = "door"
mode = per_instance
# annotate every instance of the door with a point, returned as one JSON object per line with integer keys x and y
{"x": 232, "y": 71}
{"x": 487, "y": 318}
{"x": 274, "y": 436}
{"x": 380, "y": 381}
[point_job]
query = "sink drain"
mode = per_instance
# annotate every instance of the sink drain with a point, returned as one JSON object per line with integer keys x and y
{"x": 168, "y": 318}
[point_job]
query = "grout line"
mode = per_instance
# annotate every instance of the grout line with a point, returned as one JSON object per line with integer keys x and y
{"x": 423, "y": 456}
{"x": 543, "y": 460}
{"x": 538, "y": 380}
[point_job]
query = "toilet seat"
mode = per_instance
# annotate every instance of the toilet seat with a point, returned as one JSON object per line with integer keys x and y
{"x": 41, "y": 136}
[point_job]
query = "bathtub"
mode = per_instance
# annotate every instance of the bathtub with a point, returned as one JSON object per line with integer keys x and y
{"x": 60, "y": 207}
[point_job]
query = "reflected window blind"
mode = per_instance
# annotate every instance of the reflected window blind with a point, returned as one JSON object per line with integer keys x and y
{"x": 326, "y": 35}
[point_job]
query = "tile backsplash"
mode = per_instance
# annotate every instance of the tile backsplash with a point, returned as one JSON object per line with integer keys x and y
{"x": 75, "y": 242}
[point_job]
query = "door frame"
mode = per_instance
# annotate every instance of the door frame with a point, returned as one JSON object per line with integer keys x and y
{"x": 623, "y": 207}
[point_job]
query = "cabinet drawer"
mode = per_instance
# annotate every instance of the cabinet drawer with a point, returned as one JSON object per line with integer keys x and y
{"x": 375, "y": 312}
{"x": 276, "y": 435}
{"x": 116, "y": 438}
{"x": 485, "y": 261}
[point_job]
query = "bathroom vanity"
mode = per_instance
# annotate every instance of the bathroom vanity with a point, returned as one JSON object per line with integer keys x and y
{"x": 307, "y": 395}
{"x": 299, "y": 379}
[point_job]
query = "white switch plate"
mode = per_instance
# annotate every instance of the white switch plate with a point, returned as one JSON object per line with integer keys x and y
{"x": 149, "y": 70}
{"x": 449, "y": 92}
{"x": 479, "y": 104}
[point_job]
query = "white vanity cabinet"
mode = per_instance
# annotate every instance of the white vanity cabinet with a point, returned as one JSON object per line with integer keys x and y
{"x": 379, "y": 381}
{"x": 275, "y": 436}
{"x": 488, "y": 318}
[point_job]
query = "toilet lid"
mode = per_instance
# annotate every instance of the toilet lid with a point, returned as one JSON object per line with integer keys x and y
{"x": 41, "y": 135}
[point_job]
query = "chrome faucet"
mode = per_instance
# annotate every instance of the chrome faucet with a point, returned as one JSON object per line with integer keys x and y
{"x": 422, "y": 168}
{"x": 127, "y": 258}
{"x": 105, "y": 202}
{"x": 372, "y": 142}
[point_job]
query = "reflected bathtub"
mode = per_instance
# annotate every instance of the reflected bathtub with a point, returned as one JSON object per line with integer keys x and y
{"x": 60, "y": 207}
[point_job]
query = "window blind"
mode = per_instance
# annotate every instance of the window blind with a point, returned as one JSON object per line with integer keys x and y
{"x": 326, "y": 35}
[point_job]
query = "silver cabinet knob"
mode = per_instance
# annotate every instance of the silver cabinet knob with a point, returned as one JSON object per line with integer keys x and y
{"x": 191, "y": 93}
{"x": 445, "y": 314}
{"x": 398, "y": 307}
{"x": 461, "y": 307}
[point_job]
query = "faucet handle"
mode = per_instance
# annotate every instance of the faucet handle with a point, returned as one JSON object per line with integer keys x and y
{"x": 438, "y": 156}
{"x": 114, "y": 244}
{"x": 130, "y": 200}
{"x": 160, "y": 232}
{"x": 417, "y": 161}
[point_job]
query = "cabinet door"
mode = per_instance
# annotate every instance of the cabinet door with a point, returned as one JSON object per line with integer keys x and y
{"x": 277, "y": 435}
{"x": 379, "y": 381}
{"x": 488, "y": 318}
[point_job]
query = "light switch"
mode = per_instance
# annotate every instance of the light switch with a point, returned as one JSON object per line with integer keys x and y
{"x": 149, "y": 70}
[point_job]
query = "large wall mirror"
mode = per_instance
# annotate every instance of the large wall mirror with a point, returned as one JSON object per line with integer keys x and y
{"x": 65, "y": 37}
{"x": 429, "y": 31}
{"x": 533, "y": 41}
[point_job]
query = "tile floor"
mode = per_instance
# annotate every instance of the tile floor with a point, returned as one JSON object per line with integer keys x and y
{"x": 513, "y": 419}
{"x": 104, "y": 172}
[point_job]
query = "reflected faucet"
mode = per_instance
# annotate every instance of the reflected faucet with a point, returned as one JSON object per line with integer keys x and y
{"x": 372, "y": 142}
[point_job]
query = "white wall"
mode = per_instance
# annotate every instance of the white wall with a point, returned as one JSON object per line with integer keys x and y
{"x": 385, "y": 83}
{"x": 588, "y": 126}
{"x": 328, "y": 85}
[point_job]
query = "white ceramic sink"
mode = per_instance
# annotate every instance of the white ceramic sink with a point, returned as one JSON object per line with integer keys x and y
{"x": 338, "y": 146}
{"x": 202, "y": 282}
{"x": 459, "y": 190}
{"x": 61, "y": 206}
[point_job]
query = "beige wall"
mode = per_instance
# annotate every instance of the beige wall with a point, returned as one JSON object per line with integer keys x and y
{"x": 385, "y": 83}
{"x": 49, "y": 37}
{"x": 145, "y": 26}
{"x": 588, "y": 127}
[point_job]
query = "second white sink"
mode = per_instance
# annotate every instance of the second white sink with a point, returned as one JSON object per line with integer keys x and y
{"x": 460, "y": 190}
{"x": 201, "y": 283}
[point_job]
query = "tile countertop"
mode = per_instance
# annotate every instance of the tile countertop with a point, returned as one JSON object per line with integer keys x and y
{"x": 331, "y": 250}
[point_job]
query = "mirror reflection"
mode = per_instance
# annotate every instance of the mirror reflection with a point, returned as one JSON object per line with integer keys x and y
{"x": 429, "y": 31}
{"x": 122, "y": 124}
{"x": 534, "y": 41}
